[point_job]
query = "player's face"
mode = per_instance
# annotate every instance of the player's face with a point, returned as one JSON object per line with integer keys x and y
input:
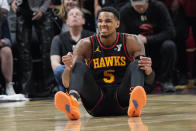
{"x": 107, "y": 24}
{"x": 75, "y": 18}
{"x": 70, "y": 3}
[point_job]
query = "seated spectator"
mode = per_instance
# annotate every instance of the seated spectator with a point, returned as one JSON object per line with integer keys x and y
{"x": 176, "y": 11}
{"x": 183, "y": 12}
{"x": 65, "y": 42}
{"x": 151, "y": 20}
{"x": 186, "y": 16}
{"x": 61, "y": 15}
{"x": 6, "y": 58}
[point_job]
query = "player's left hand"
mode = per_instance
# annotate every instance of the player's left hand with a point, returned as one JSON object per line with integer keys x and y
{"x": 145, "y": 64}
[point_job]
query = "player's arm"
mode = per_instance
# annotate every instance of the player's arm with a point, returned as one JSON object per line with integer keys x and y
{"x": 67, "y": 60}
{"x": 135, "y": 47}
{"x": 81, "y": 52}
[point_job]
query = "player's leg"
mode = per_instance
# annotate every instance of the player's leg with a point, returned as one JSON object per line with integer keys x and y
{"x": 133, "y": 83}
{"x": 82, "y": 84}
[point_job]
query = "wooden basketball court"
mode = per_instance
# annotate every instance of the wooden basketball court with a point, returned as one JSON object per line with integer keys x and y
{"x": 162, "y": 113}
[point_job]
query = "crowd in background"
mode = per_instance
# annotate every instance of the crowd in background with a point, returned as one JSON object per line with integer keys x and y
{"x": 45, "y": 30}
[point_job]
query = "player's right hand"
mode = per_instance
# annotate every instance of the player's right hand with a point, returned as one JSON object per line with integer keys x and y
{"x": 68, "y": 60}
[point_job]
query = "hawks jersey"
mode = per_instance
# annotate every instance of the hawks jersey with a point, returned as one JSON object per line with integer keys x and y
{"x": 108, "y": 64}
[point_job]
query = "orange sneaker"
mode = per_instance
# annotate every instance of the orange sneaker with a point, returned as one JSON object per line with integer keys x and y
{"x": 67, "y": 104}
{"x": 137, "y": 101}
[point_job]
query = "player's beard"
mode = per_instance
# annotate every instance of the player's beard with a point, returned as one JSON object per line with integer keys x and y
{"x": 104, "y": 36}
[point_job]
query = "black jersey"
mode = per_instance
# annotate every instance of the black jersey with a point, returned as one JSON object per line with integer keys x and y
{"x": 108, "y": 64}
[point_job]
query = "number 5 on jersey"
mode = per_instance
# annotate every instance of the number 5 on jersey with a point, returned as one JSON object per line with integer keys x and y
{"x": 109, "y": 76}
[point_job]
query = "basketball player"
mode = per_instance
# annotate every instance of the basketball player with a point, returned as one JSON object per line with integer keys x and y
{"x": 104, "y": 72}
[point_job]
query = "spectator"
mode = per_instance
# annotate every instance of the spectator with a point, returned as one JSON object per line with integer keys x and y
{"x": 183, "y": 12}
{"x": 186, "y": 16}
{"x": 151, "y": 20}
{"x": 33, "y": 13}
{"x": 181, "y": 76}
{"x": 6, "y": 57}
{"x": 65, "y": 42}
{"x": 61, "y": 15}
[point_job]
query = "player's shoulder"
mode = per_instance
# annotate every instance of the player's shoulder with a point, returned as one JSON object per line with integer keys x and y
{"x": 133, "y": 39}
{"x": 130, "y": 37}
{"x": 84, "y": 42}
